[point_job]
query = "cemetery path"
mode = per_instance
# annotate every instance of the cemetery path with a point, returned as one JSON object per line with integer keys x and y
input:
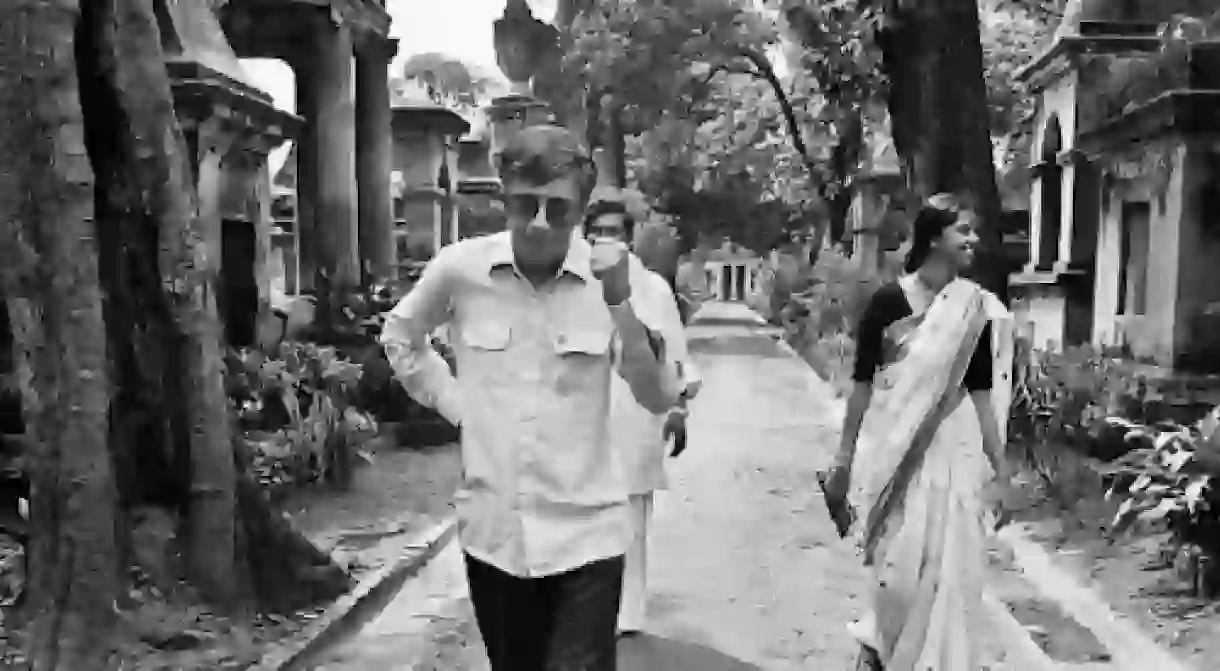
{"x": 746, "y": 572}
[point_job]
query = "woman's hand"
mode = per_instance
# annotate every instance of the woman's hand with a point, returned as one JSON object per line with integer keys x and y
{"x": 995, "y": 495}
{"x": 834, "y": 492}
{"x": 675, "y": 429}
{"x": 839, "y": 482}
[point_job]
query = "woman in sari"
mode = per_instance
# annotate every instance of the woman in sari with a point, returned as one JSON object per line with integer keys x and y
{"x": 927, "y": 410}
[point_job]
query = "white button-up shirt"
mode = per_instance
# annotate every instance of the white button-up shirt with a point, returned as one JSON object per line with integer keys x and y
{"x": 543, "y": 491}
{"x": 637, "y": 431}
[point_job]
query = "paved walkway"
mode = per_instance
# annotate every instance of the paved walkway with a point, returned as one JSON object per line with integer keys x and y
{"x": 746, "y": 571}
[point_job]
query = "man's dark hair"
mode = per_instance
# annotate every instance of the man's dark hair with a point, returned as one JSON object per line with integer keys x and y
{"x": 541, "y": 154}
{"x": 604, "y": 207}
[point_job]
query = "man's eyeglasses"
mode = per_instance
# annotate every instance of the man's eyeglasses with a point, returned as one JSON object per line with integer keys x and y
{"x": 527, "y": 206}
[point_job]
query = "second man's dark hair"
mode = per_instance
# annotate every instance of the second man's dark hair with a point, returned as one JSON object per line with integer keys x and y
{"x": 603, "y": 207}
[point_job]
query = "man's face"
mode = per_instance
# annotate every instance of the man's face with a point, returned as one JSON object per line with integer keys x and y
{"x": 541, "y": 219}
{"x": 609, "y": 225}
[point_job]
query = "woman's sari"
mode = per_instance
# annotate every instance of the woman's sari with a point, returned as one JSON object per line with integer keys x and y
{"x": 920, "y": 474}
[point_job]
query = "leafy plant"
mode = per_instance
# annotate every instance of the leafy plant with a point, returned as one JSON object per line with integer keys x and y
{"x": 820, "y": 314}
{"x": 1170, "y": 477}
{"x": 1064, "y": 400}
{"x": 299, "y": 406}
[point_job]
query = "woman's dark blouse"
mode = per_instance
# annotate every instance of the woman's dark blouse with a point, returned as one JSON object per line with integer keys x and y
{"x": 888, "y": 305}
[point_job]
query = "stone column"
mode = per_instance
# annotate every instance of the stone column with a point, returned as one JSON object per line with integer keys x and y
{"x": 333, "y": 135}
{"x": 438, "y": 222}
{"x": 213, "y": 141}
{"x": 305, "y": 231}
{"x": 374, "y": 147}
{"x": 1067, "y": 210}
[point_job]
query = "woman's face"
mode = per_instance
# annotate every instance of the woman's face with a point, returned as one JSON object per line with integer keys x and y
{"x": 957, "y": 242}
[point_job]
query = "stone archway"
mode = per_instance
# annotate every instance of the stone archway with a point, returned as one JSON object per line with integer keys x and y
{"x": 1050, "y": 174}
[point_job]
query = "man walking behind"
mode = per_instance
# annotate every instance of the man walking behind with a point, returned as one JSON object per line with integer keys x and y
{"x": 540, "y": 322}
{"x": 639, "y": 433}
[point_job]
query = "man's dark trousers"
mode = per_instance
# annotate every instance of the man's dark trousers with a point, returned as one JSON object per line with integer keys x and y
{"x": 562, "y": 622}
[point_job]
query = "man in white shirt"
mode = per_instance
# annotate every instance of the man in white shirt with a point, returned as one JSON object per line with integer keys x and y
{"x": 691, "y": 287}
{"x": 639, "y": 433}
{"x": 541, "y": 321}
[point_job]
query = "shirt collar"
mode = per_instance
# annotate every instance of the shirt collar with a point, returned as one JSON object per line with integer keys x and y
{"x": 576, "y": 262}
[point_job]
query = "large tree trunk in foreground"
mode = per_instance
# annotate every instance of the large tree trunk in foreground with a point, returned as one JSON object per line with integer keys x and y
{"x": 938, "y": 106}
{"x": 49, "y": 271}
{"x": 128, "y": 50}
{"x": 170, "y": 430}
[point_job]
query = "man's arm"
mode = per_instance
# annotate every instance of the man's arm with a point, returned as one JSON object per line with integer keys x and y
{"x": 643, "y": 360}
{"x": 675, "y": 341}
{"x": 407, "y": 340}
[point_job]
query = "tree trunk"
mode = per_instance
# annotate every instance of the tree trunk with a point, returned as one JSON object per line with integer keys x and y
{"x": 933, "y": 57}
{"x": 288, "y": 572}
{"x": 153, "y": 155}
{"x": 49, "y": 273}
{"x": 615, "y": 145}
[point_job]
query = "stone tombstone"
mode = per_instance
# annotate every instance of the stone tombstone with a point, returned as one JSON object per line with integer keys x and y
{"x": 522, "y": 41}
{"x": 524, "y": 45}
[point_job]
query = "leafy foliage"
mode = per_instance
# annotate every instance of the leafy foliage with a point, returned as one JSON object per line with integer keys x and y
{"x": 659, "y": 56}
{"x": 1062, "y": 396}
{"x": 697, "y": 83}
{"x": 819, "y": 307}
{"x": 1011, "y": 37}
{"x": 1061, "y": 405}
{"x": 707, "y": 114}
{"x": 306, "y": 393}
{"x": 1170, "y": 478}
{"x": 446, "y": 79}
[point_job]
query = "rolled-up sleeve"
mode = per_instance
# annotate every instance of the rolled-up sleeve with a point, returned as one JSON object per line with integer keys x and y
{"x": 643, "y": 361}
{"x": 407, "y": 340}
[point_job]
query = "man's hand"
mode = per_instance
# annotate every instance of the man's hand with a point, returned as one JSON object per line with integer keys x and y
{"x": 675, "y": 428}
{"x": 609, "y": 263}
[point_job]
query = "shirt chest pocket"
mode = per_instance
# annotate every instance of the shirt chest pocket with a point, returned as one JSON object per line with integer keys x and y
{"x": 583, "y": 356}
{"x": 487, "y": 336}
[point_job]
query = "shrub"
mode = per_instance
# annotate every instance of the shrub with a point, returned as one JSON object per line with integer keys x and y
{"x": 1062, "y": 405}
{"x": 819, "y": 320}
{"x": 297, "y": 407}
{"x": 1170, "y": 477}
{"x": 351, "y": 322}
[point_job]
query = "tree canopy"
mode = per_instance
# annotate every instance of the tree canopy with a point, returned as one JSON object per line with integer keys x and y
{"x": 446, "y": 78}
{"x": 768, "y": 102}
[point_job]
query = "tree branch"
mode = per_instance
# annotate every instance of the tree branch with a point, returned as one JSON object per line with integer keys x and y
{"x": 764, "y": 71}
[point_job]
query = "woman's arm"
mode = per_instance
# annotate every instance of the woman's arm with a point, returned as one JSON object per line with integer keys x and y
{"x": 993, "y": 447}
{"x": 980, "y": 377}
{"x": 880, "y": 311}
{"x": 857, "y": 405}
